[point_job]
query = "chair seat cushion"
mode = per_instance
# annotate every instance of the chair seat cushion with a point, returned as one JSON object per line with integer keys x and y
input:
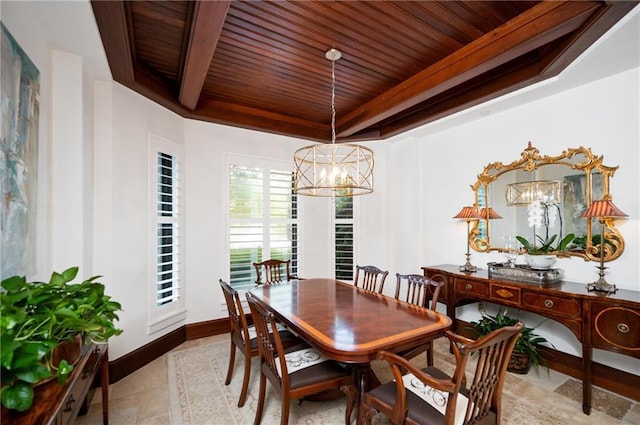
{"x": 307, "y": 366}
{"x": 419, "y": 411}
{"x": 320, "y": 372}
{"x": 300, "y": 359}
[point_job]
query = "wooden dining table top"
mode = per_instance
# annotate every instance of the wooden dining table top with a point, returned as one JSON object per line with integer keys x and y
{"x": 347, "y": 323}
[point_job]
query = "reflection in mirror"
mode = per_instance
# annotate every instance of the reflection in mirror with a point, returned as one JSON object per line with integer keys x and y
{"x": 566, "y": 184}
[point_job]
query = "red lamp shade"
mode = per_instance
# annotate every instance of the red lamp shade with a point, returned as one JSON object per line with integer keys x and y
{"x": 603, "y": 208}
{"x": 468, "y": 213}
{"x": 489, "y": 213}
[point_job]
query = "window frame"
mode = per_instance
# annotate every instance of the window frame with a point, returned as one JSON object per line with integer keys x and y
{"x": 268, "y": 165}
{"x": 336, "y": 221}
{"x": 173, "y": 312}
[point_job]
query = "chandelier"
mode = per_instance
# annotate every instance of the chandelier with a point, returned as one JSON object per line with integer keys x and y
{"x": 524, "y": 193}
{"x": 333, "y": 169}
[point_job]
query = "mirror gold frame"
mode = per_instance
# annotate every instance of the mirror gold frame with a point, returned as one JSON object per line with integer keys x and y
{"x": 580, "y": 159}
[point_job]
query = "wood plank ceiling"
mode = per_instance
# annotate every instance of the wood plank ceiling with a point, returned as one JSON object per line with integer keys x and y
{"x": 261, "y": 64}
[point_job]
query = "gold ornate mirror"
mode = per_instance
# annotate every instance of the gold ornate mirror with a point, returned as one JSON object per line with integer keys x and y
{"x": 571, "y": 180}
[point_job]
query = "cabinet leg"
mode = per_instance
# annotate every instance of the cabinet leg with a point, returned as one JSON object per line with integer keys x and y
{"x": 586, "y": 379}
{"x": 104, "y": 379}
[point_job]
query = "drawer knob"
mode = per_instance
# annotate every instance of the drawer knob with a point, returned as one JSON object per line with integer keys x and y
{"x": 623, "y": 328}
{"x": 548, "y": 303}
{"x": 468, "y": 287}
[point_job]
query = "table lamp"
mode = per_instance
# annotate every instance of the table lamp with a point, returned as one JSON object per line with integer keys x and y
{"x": 602, "y": 210}
{"x": 468, "y": 214}
{"x": 489, "y": 213}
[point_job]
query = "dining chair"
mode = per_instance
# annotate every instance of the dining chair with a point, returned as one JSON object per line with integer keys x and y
{"x": 372, "y": 278}
{"x": 429, "y": 396}
{"x": 296, "y": 372}
{"x": 243, "y": 337}
{"x": 423, "y": 292}
{"x": 273, "y": 271}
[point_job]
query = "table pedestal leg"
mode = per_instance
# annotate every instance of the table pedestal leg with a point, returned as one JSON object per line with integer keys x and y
{"x": 365, "y": 380}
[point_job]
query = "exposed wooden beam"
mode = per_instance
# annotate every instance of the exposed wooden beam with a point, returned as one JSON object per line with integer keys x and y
{"x": 206, "y": 25}
{"x": 534, "y": 28}
{"x": 113, "y": 24}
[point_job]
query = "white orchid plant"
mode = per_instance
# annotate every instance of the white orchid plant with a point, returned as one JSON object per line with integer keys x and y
{"x": 542, "y": 214}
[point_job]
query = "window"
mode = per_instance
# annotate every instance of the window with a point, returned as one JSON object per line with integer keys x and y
{"x": 168, "y": 230}
{"x": 344, "y": 238}
{"x": 166, "y": 301}
{"x": 262, "y": 219}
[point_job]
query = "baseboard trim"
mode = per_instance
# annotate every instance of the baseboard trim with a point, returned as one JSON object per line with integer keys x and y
{"x": 144, "y": 355}
{"x": 140, "y": 357}
{"x": 620, "y": 382}
{"x": 208, "y": 328}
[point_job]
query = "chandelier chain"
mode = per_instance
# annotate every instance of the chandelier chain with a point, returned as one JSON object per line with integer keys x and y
{"x": 333, "y": 101}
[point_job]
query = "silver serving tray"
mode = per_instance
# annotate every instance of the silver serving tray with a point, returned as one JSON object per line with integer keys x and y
{"x": 523, "y": 273}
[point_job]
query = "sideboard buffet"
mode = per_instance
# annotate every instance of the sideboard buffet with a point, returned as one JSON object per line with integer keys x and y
{"x": 605, "y": 321}
{"x": 56, "y": 404}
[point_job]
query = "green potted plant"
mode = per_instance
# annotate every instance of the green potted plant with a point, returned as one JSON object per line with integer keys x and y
{"x": 38, "y": 317}
{"x": 525, "y": 352}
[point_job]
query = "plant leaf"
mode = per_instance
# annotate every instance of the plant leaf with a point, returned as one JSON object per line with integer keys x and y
{"x": 70, "y": 274}
{"x": 18, "y": 396}
{"x": 14, "y": 283}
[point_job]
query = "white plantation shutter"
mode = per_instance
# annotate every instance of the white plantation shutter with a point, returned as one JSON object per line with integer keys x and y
{"x": 343, "y": 229}
{"x": 262, "y": 220}
{"x": 166, "y": 300}
{"x": 168, "y": 230}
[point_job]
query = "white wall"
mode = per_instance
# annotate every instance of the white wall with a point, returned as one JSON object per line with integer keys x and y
{"x": 123, "y": 123}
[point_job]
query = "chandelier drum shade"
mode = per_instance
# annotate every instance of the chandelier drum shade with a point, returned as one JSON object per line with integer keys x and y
{"x": 333, "y": 169}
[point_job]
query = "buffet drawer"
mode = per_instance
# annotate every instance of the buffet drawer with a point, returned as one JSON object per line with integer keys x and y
{"x": 472, "y": 287}
{"x": 552, "y": 305}
{"x": 506, "y": 294}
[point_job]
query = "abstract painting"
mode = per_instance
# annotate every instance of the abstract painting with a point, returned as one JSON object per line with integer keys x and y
{"x": 20, "y": 88}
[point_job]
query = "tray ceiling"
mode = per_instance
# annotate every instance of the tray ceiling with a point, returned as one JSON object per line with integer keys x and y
{"x": 261, "y": 64}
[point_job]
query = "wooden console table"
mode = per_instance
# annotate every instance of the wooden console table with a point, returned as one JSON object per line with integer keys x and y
{"x": 59, "y": 405}
{"x": 606, "y": 321}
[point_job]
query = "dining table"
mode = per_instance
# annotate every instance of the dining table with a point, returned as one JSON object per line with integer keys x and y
{"x": 349, "y": 324}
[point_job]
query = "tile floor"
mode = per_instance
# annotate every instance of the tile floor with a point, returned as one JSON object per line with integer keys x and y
{"x": 143, "y": 397}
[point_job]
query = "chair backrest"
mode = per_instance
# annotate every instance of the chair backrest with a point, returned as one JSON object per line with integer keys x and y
{"x": 419, "y": 290}
{"x": 269, "y": 343}
{"x": 237, "y": 318}
{"x": 484, "y": 390}
{"x": 370, "y": 278}
{"x": 272, "y": 271}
